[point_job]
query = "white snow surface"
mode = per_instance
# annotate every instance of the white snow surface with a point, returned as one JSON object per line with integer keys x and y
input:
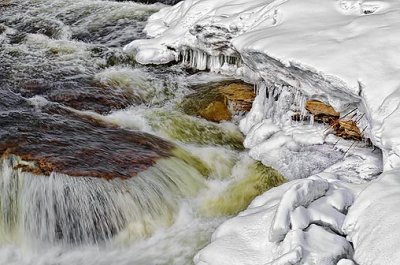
{"x": 372, "y": 223}
{"x": 352, "y": 45}
{"x": 245, "y": 239}
{"x": 344, "y": 52}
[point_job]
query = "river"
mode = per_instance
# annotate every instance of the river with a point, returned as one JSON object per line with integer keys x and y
{"x": 100, "y": 165}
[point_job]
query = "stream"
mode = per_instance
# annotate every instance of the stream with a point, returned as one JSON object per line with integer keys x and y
{"x": 100, "y": 164}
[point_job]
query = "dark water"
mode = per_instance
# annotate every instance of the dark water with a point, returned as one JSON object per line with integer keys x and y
{"x": 98, "y": 193}
{"x": 51, "y": 51}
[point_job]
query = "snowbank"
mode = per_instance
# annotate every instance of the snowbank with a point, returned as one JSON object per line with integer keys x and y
{"x": 372, "y": 223}
{"x": 297, "y": 232}
{"x": 343, "y": 52}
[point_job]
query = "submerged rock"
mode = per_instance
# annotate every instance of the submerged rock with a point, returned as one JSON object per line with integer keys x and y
{"x": 187, "y": 129}
{"x": 239, "y": 194}
{"x": 219, "y": 101}
{"x": 194, "y": 104}
{"x": 216, "y": 111}
{"x": 81, "y": 95}
{"x": 56, "y": 139}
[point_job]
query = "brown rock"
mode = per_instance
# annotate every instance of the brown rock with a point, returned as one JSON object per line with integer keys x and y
{"x": 56, "y": 139}
{"x": 241, "y": 95}
{"x": 322, "y": 112}
{"x": 208, "y": 100}
{"x": 347, "y": 130}
{"x": 81, "y": 96}
{"x": 216, "y": 111}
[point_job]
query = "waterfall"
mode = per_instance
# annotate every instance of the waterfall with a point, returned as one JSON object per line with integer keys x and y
{"x": 83, "y": 210}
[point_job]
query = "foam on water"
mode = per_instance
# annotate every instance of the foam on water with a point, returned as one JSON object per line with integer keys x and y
{"x": 153, "y": 218}
{"x": 67, "y": 210}
{"x": 52, "y": 51}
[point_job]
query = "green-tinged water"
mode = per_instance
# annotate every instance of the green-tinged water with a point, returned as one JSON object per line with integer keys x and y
{"x": 238, "y": 195}
{"x": 193, "y": 130}
{"x": 63, "y": 74}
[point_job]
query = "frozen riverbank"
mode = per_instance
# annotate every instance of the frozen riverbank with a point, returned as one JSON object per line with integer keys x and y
{"x": 340, "y": 52}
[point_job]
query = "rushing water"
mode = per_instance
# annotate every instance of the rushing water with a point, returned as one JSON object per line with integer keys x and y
{"x": 68, "y": 91}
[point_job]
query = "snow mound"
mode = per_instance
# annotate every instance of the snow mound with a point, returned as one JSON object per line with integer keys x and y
{"x": 305, "y": 217}
{"x": 372, "y": 223}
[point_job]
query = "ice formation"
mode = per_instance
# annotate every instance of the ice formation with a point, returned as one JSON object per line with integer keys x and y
{"x": 285, "y": 42}
{"x": 343, "y": 52}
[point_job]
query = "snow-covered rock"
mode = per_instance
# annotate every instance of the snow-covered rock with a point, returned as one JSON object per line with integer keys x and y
{"x": 315, "y": 203}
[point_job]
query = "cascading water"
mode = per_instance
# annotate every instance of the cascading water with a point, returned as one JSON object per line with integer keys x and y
{"x": 67, "y": 210}
{"x": 69, "y": 93}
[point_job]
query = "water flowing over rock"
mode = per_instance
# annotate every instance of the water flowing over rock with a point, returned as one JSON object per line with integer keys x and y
{"x": 216, "y": 111}
{"x": 187, "y": 129}
{"x": 240, "y": 95}
{"x": 79, "y": 95}
{"x": 88, "y": 175}
{"x": 219, "y": 101}
{"x": 61, "y": 140}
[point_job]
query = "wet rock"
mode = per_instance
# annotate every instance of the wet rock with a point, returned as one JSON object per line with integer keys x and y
{"x": 347, "y": 130}
{"x": 219, "y": 101}
{"x": 195, "y": 103}
{"x": 78, "y": 95}
{"x": 100, "y": 101}
{"x": 216, "y": 111}
{"x": 241, "y": 95}
{"x": 322, "y": 112}
{"x": 38, "y": 25}
{"x": 57, "y": 139}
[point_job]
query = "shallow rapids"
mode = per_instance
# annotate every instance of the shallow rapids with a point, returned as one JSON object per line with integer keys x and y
{"x": 99, "y": 165}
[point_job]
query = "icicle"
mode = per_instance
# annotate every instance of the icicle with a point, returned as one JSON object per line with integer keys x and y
{"x": 200, "y": 60}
